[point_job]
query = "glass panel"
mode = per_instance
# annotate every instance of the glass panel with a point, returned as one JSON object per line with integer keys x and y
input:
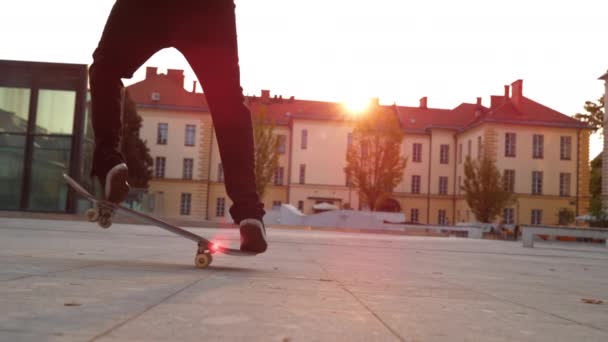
{"x": 51, "y": 158}
{"x": 12, "y": 147}
{"x": 14, "y": 109}
{"x": 55, "y": 112}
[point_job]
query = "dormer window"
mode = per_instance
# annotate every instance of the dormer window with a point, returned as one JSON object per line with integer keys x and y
{"x": 155, "y": 96}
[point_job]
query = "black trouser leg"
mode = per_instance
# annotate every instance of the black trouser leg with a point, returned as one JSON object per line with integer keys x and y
{"x": 209, "y": 43}
{"x": 130, "y": 37}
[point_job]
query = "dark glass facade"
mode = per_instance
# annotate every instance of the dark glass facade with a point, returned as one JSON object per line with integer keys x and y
{"x": 43, "y": 133}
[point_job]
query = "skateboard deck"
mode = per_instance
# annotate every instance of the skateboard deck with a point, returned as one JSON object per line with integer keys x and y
{"x": 105, "y": 210}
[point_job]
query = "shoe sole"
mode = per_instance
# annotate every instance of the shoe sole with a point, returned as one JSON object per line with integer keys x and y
{"x": 256, "y": 243}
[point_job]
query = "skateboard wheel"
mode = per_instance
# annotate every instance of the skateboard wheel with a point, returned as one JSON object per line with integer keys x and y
{"x": 203, "y": 260}
{"x": 105, "y": 222}
{"x": 92, "y": 214}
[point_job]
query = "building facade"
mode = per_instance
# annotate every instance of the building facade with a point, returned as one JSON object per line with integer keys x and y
{"x": 542, "y": 152}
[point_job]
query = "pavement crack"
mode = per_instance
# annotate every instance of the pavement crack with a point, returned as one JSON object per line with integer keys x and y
{"x": 362, "y": 303}
{"x": 527, "y": 306}
{"x": 148, "y": 308}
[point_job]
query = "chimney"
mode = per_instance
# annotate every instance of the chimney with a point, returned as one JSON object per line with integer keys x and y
{"x": 176, "y": 76}
{"x": 478, "y": 107}
{"x": 375, "y": 101}
{"x": 423, "y": 103}
{"x": 265, "y": 95}
{"x": 518, "y": 92}
{"x": 151, "y": 72}
{"x": 506, "y": 92}
{"x": 194, "y": 86}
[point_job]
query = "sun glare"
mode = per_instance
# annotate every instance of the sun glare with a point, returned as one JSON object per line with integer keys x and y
{"x": 356, "y": 106}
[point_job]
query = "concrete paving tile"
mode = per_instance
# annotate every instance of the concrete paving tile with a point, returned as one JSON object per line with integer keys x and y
{"x": 138, "y": 283}
{"x": 431, "y": 319}
{"x": 246, "y": 322}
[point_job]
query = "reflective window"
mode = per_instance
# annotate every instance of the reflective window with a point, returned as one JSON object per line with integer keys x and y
{"x": 50, "y": 159}
{"x": 55, "y": 111}
{"x": 14, "y": 109}
{"x": 12, "y": 147}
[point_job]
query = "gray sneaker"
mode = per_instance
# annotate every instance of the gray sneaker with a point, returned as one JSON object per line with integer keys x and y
{"x": 253, "y": 236}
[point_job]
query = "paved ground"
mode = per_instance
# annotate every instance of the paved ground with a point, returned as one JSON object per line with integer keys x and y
{"x": 69, "y": 281}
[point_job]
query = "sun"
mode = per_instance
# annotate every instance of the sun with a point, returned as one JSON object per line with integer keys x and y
{"x": 356, "y": 105}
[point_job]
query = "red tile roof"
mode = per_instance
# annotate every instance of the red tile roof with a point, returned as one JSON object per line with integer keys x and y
{"x": 526, "y": 112}
{"x": 416, "y": 119}
{"x": 172, "y": 94}
{"x": 413, "y": 119}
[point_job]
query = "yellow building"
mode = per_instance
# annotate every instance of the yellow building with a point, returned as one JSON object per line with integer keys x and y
{"x": 543, "y": 152}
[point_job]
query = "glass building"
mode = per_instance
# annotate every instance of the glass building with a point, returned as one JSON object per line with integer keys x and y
{"x": 43, "y": 133}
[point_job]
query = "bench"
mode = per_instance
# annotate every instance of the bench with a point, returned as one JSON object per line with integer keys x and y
{"x": 529, "y": 232}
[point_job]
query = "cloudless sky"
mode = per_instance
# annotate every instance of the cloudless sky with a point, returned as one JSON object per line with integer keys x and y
{"x": 341, "y": 50}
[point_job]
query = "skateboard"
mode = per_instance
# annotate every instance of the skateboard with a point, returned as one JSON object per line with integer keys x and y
{"x": 104, "y": 211}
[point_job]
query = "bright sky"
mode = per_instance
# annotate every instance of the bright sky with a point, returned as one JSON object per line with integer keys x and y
{"x": 398, "y": 50}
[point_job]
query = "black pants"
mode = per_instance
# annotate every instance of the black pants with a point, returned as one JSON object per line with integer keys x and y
{"x": 204, "y": 31}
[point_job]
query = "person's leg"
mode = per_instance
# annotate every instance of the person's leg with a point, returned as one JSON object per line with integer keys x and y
{"x": 130, "y": 37}
{"x": 208, "y": 41}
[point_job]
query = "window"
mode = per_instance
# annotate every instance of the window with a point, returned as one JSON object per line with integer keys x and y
{"x": 537, "y": 182}
{"x": 276, "y": 205}
{"x": 349, "y": 139}
{"x": 565, "y": 148}
{"x": 301, "y": 206}
{"x": 278, "y": 175}
{"x": 538, "y": 141}
{"x": 302, "y": 173}
{"x": 444, "y": 151}
{"x": 459, "y": 185}
{"x": 442, "y": 217}
{"x": 443, "y": 185}
{"x": 190, "y": 135}
{"x": 220, "y": 207}
{"x": 349, "y": 181}
{"x": 537, "y": 216}
{"x": 469, "y": 144}
{"x": 188, "y": 166}
{"x": 304, "y": 142}
{"x": 460, "y": 153}
{"x": 282, "y": 145}
{"x": 415, "y": 184}
{"x": 510, "y": 140}
{"x": 162, "y": 134}
{"x": 220, "y": 173}
{"x": 184, "y": 208}
{"x": 417, "y": 153}
{"x": 155, "y": 96}
{"x": 508, "y": 216}
{"x": 564, "y": 184}
{"x": 508, "y": 180}
{"x": 479, "y": 147}
{"x": 159, "y": 167}
{"x": 414, "y": 215}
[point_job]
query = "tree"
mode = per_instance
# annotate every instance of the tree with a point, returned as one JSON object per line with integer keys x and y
{"x": 565, "y": 216}
{"x": 484, "y": 190}
{"x": 594, "y": 115}
{"x": 374, "y": 162}
{"x": 136, "y": 153}
{"x": 595, "y": 187}
{"x": 266, "y": 149}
